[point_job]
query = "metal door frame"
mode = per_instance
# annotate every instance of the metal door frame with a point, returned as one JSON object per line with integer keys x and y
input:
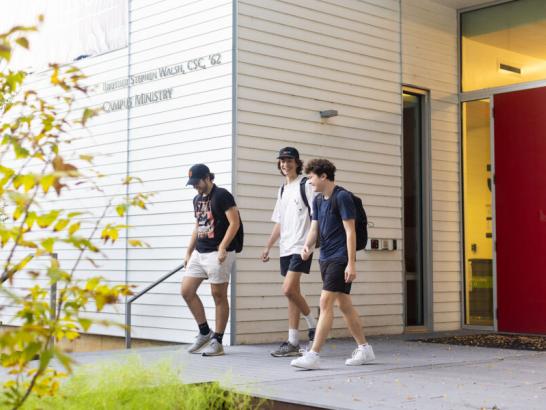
{"x": 426, "y": 151}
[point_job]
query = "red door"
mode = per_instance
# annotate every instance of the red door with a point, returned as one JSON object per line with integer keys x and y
{"x": 520, "y": 174}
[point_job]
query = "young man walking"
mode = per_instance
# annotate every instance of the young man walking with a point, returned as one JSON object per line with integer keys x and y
{"x": 210, "y": 255}
{"x": 292, "y": 217}
{"x": 334, "y": 216}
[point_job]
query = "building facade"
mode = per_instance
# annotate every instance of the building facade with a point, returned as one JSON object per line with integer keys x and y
{"x": 228, "y": 83}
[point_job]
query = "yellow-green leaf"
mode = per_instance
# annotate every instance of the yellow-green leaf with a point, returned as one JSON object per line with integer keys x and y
{"x": 29, "y": 181}
{"x": 120, "y": 209}
{"x": 64, "y": 359}
{"x": 31, "y": 218}
{"x": 74, "y": 228}
{"x": 137, "y": 243}
{"x": 87, "y": 114}
{"x": 24, "y": 262}
{"x": 60, "y": 225}
{"x": 46, "y": 182}
{"x": 17, "y": 213}
{"x": 5, "y": 52}
{"x": 88, "y": 158}
{"x": 48, "y": 243}
{"x": 45, "y": 358}
{"x": 92, "y": 283}
{"x": 23, "y": 42}
{"x": 85, "y": 323}
{"x": 47, "y": 219}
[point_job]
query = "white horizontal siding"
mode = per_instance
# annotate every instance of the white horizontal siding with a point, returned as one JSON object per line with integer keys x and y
{"x": 166, "y": 139}
{"x": 296, "y": 58}
{"x": 111, "y": 264}
{"x": 429, "y": 61}
{"x": 158, "y": 143}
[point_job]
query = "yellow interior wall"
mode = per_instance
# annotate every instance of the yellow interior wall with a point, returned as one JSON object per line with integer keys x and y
{"x": 477, "y": 197}
{"x": 481, "y": 66}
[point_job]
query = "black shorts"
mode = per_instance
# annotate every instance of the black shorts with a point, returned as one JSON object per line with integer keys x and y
{"x": 333, "y": 276}
{"x": 295, "y": 263}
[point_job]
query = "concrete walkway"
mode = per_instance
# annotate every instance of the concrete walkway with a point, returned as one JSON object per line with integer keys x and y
{"x": 406, "y": 375}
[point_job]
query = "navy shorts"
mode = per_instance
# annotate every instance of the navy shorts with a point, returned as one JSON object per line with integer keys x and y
{"x": 333, "y": 276}
{"x": 295, "y": 263}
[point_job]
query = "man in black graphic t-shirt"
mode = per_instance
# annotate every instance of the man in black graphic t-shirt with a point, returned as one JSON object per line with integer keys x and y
{"x": 210, "y": 255}
{"x": 211, "y": 231}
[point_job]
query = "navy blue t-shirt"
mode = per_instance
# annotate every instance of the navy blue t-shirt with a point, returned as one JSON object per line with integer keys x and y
{"x": 333, "y": 240}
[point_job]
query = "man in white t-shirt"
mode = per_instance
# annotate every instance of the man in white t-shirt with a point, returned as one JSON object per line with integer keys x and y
{"x": 292, "y": 217}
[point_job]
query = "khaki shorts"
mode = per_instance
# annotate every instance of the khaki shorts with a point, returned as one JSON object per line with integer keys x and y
{"x": 206, "y": 266}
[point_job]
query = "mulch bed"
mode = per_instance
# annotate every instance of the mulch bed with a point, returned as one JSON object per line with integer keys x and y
{"x": 496, "y": 340}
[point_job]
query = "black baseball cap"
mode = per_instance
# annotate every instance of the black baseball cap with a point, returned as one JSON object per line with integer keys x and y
{"x": 289, "y": 152}
{"x": 197, "y": 172}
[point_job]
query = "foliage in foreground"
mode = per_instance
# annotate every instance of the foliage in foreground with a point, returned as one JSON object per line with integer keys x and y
{"x": 131, "y": 385}
{"x": 36, "y": 170}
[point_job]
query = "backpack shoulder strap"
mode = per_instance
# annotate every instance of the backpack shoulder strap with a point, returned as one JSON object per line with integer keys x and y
{"x": 303, "y": 194}
{"x": 335, "y": 207}
{"x": 195, "y": 205}
{"x": 216, "y": 211}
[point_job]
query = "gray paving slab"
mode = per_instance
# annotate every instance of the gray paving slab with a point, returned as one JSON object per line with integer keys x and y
{"x": 406, "y": 375}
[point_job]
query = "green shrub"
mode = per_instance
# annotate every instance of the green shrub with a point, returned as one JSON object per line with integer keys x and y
{"x": 132, "y": 385}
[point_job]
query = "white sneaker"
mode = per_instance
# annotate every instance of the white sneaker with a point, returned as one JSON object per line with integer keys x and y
{"x": 309, "y": 360}
{"x": 200, "y": 342}
{"x": 361, "y": 355}
{"x": 214, "y": 348}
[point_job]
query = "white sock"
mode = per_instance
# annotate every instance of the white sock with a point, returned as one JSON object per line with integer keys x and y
{"x": 363, "y": 346}
{"x": 293, "y": 337}
{"x": 311, "y": 322}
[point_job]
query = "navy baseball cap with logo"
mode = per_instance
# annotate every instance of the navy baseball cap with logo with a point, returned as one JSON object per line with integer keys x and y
{"x": 288, "y": 152}
{"x": 196, "y": 173}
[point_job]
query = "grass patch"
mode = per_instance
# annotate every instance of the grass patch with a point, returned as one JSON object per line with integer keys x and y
{"x": 131, "y": 385}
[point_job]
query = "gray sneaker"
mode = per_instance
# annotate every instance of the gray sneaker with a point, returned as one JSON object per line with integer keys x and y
{"x": 200, "y": 342}
{"x": 286, "y": 350}
{"x": 214, "y": 348}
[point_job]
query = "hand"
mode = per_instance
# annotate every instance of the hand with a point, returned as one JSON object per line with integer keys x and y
{"x": 350, "y": 273}
{"x": 265, "y": 255}
{"x": 305, "y": 253}
{"x": 222, "y": 254}
{"x": 187, "y": 260}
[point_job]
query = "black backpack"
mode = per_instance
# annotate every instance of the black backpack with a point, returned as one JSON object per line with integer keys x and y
{"x": 361, "y": 220}
{"x": 239, "y": 236}
{"x": 238, "y": 240}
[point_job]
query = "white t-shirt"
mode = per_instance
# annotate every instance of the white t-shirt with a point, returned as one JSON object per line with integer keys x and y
{"x": 290, "y": 211}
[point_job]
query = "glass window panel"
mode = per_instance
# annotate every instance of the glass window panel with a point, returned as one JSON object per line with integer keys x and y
{"x": 503, "y": 45}
{"x": 413, "y": 207}
{"x": 478, "y": 242}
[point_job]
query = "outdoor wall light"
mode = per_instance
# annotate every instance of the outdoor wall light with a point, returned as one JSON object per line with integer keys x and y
{"x": 328, "y": 113}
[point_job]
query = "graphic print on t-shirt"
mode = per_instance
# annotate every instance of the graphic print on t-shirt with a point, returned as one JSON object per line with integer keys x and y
{"x": 205, "y": 219}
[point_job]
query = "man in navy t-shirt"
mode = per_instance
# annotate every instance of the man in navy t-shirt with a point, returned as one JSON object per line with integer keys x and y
{"x": 334, "y": 217}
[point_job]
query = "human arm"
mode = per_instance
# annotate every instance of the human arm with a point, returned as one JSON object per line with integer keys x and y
{"x": 347, "y": 211}
{"x": 191, "y": 245}
{"x": 350, "y": 233}
{"x": 273, "y": 238}
{"x": 232, "y": 215}
{"x": 310, "y": 241}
